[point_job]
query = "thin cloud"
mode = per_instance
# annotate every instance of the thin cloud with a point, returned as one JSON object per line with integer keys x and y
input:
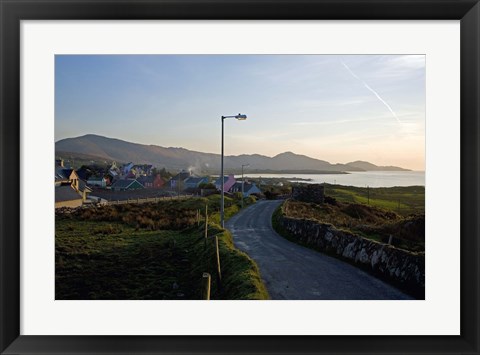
{"x": 373, "y": 91}
{"x": 334, "y": 122}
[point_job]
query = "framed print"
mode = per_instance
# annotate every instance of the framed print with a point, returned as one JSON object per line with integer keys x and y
{"x": 239, "y": 177}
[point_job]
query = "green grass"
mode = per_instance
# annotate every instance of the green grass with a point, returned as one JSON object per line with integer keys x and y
{"x": 403, "y": 200}
{"x": 240, "y": 275}
{"x": 374, "y": 223}
{"x": 110, "y": 255}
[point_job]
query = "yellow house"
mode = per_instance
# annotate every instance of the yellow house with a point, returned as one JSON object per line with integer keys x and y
{"x": 70, "y": 191}
{"x": 66, "y": 196}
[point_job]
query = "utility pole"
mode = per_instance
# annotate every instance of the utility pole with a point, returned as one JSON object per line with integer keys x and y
{"x": 243, "y": 182}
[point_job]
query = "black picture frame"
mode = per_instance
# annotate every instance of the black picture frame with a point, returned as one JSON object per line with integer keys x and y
{"x": 12, "y": 12}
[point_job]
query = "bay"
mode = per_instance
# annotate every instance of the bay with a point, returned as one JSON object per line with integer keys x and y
{"x": 359, "y": 179}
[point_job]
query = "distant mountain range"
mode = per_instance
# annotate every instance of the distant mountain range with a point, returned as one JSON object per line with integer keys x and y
{"x": 96, "y": 147}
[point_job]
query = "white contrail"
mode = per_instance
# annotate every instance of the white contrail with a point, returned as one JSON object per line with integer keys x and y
{"x": 373, "y": 91}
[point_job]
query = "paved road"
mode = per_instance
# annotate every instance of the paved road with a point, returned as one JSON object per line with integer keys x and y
{"x": 293, "y": 272}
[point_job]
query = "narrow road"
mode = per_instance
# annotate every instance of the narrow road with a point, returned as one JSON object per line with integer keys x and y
{"x": 293, "y": 272}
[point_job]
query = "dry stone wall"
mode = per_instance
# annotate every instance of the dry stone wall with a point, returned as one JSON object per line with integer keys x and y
{"x": 308, "y": 193}
{"x": 400, "y": 267}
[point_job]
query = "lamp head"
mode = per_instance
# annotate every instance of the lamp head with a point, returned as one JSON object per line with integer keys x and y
{"x": 241, "y": 117}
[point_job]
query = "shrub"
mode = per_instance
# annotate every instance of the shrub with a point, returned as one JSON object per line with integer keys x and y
{"x": 237, "y": 196}
{"x": 107, "y": 230}
{"x": 250, "y": 200}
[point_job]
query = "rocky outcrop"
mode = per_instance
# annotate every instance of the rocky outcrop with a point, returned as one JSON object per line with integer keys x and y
{"x": 400, "y": 267}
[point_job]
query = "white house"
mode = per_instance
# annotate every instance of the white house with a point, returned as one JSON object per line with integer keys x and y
{"x": 97, "y": 181}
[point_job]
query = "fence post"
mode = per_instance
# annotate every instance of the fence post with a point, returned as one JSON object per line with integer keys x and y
{"x": 206, "y": 279}
{"x": 206, "y": 227}
{"x": 206, "y": 221}
{"x": 219, "y": 271}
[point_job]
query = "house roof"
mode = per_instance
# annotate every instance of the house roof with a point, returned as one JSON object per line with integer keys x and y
{"x": 62, "y": 173}
{"x": 96, "y": 178}
{"x": 124, "y": 183}
{"x": 143, "y": 166}
{"x": 182, "y": 175}
{"x": 146, "y": 179}
{"x": 225, "y": 179}
{"x": 83, "y": 172}
{"x": 195, "y": 180}
{"x": 246, "y": 187}
{"x": 82, "y": 186}
{"x": 66, "y": 193}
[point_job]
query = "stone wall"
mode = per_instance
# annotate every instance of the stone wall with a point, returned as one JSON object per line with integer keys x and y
{"x": 308, "y": 193}
{"x": 402, "y": 268}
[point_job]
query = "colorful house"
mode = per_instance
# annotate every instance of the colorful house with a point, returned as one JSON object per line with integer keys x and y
{"x": 70, "y": 191}
{"x": 177, "y": 182}
{"x": 64, "y": 175}
{"x": 67, "y": 196}
{"x": 194, "y": 182}
{"x": 126, "y": 168}
{"x": 114, "y": 171}
{"x": 99, "y": 181}
{"x": 248, "y": 188}
{"x": 142, "y": 169}
{"x": 124, "y": 185}
{"x": 228, "y": 182}
{"x": 131, "y": 175}
{"x": 151, "y": 182}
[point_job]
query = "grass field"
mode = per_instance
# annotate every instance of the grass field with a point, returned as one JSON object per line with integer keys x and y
{"x": 369, "y": 222}
{"x": 155, "y": 251}
{"x": 376, "y": 213}
{"x": 402, "y": 200}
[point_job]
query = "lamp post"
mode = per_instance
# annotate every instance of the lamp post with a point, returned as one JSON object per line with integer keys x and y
{"x": 239, "y": 117}
{"x": 243, "y": 165}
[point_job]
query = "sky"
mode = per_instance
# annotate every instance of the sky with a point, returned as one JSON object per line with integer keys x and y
{"x": 338, "y": 108}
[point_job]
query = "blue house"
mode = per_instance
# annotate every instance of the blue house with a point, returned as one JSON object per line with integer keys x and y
{"x": 194, "y": 182}
{"x": 228, "y": 182}
{"x": 248, "y": 188}
{"x": 127, "y": 184}
{"x": 126, "y": 168}
{"x": 177, "y": 182}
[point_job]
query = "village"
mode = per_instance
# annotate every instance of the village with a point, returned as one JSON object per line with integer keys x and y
{"x": 94, "y": 184}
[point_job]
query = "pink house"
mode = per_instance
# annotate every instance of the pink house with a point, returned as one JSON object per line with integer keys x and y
{"x": 228, "y": 182}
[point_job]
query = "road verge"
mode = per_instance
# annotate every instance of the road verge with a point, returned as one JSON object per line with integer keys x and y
{"x": 401, "y": 268}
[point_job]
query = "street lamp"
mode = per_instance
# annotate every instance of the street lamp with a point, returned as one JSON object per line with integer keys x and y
{"x": 243, "y": 165}
{"x": 239, "y": 117}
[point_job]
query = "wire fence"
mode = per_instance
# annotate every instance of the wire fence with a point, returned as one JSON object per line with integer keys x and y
{"x": 148, "y": 199}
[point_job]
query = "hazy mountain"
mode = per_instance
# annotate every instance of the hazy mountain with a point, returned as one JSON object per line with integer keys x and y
{"x": 181, "y": 158}
{"x": 366, "y": 166}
